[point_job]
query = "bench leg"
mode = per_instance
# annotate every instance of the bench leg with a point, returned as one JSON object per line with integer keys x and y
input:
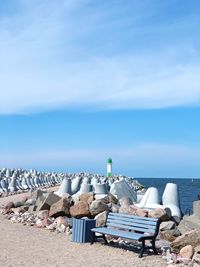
{"x": 105, "y": 240}
{"x": 93, "y": 238}
{"x": 142, "y": 249}
{"x": 154, "y": 247}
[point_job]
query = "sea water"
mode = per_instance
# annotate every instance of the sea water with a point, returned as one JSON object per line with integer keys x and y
{"x": 189, "y": 189}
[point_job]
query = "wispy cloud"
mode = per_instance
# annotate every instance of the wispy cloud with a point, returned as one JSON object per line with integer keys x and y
{"x": 145, "y": 159}
{"x": 76, "y": 53}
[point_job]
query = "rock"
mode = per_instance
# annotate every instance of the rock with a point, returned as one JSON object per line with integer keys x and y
{"x": 187, "y": 252}
{"x": 51, "y": 227}
{"x": 61, "y": 229}
{"x": 60, "y": 208}
{"x": 167, "y": 235}
{"x": 18, "y": 210}
{"x": 114, "y": 208}
{"x": 112, "y": 199}
{"x": 125, "y": 201}
{"x": 189, "y": 223}
{"x": 18, "y": 204}
{"x": 9, "y": 205}
{"x": 87, "y": 197}
{"x": 124, "y": 209}
{"x": 46, "y": 222}
{"x": 61, "y": 220}
{"x": 167, "y": 225}
{"x": 14, "y": 219}
{"x": 190, "y": 238}
{"x": 137, "y": 211}
{"x": 197, "y": 249}
{"x": 25, "y": 208}
{"x": 98, "y": 206}
{"x": 75, "y": 198}
{"x": 32, "y": 208}
{"x": 141, "y": 213}
{"x": 49, "y": 200}
{"x": 170, "y": 235}
{"x": 159, "y": 213}
{"x": 24, "y": 199}
{"x": 80, "y": 209}
{"x": 65, "y": 195}
{"x": 43, "y": 214}
{"x": 101, "y": 218}
{"x": 30, "y": 202}
{"x": 196, "y": 256}
{"x": 38, "y": 194}
{"x": 39, "y": 223}
{"x": 107, "y": 199}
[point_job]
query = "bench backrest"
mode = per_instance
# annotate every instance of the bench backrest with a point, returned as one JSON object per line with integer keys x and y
{"x": 133, "y": 223}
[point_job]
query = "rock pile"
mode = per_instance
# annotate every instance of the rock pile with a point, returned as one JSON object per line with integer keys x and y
{"x": 185, "y": 244}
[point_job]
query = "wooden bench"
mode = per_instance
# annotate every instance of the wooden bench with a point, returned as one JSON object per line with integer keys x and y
{"x": 129, "y": 227}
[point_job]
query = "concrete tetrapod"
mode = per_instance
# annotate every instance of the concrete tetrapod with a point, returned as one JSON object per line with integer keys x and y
{"x": 12, "y": 185}
{"x": 101, "y": 189}
{"x": 171, "y": 200}
{"x": 85, "y": 188}
{"x": 65, "y": 187}
{"x": 24, "y": 183}
{"x": 76, "y": 184}
{"x": 4, "y": 185}
{"x": 150, "y": 199}
{"x": 122, "y": 189}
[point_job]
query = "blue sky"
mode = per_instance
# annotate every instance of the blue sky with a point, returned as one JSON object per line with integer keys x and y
{"x": 82, "y": 80}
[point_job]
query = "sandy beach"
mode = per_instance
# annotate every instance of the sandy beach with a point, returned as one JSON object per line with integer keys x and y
{"x": 30, "y": 246}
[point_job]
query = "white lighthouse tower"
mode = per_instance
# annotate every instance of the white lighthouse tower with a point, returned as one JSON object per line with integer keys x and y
{"x": 109, "y": 167}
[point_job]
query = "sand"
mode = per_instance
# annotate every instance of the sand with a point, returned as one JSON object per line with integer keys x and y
{"x": 30, "y": 246}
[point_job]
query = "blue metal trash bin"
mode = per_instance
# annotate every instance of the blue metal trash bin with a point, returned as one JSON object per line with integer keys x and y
{"x": 81, "y": 230}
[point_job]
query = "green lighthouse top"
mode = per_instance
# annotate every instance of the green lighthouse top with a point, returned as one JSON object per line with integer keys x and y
{"x": 109, "y": 160}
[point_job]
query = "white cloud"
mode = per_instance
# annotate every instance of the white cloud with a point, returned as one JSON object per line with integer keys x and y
{"x": 46, "y": 64}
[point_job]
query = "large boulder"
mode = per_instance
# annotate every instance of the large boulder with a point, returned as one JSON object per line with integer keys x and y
{"x": 87, "y": 197}
{"x": 189, "y": 223}
{"x": 60, "y": 208}
{"x": 134, "y": 210}
{"x": 49, "y": 200}
{"x": 38, "y": 194}
{"x": 98, "y": 206}
{"x": 170, "y": 235}
{"x": 76, "y": 198}
{"x": 101, "y": 218}
{"x": 159, "y": 213}
{"x": 80, "y": 209}
{"x": 189, "y": 238}
{"x": 125, "y": 201}
{"x": 109, "y": 199}
{"x": 196, "y": 256}
{"x": 167, "y": 225}
{"x": 187, "y": 252}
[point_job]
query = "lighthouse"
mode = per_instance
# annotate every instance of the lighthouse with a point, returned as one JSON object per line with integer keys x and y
{"x": 109, "y": 167}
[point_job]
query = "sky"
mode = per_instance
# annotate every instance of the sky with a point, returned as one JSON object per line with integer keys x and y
{"x": 84, "y": 80}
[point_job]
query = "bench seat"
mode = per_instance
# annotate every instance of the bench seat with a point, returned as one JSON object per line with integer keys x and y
{"x": 116, "y": 232}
